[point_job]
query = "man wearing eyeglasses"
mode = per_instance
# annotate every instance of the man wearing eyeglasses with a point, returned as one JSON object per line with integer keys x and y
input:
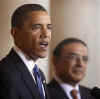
{"x": 70, "y": 58}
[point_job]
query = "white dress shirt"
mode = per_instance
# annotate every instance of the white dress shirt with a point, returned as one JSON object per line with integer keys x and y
{"x": 68, "y": 88}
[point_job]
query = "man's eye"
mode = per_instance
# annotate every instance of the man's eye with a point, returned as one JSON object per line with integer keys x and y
{"x": 70, "y": 56}
{"x": 36, "y": 26}
{"x": 85, "y": 58}
{"x": 49, "y": 26}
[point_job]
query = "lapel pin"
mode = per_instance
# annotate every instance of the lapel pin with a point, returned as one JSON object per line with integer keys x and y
{"x": 44, "y": 81}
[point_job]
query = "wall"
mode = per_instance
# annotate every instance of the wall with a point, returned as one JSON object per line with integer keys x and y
{"x": 79, "y": 18}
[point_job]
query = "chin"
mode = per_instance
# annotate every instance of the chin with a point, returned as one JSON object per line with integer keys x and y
{"x": 43, "y": 55}
{"x": 77, "y": 80}
{"x": 38, "y": 55}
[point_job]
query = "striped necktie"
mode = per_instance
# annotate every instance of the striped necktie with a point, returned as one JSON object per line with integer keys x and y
{"x": 74, "y": 94}
{"x": 37, "y": 76}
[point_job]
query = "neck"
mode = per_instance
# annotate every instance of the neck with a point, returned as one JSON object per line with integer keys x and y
{"x": 70, "y": 82}
{"x": 28, "y": 56}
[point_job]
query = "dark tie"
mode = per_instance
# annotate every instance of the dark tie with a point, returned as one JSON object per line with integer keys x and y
{"x": 74, "y": 94}
{"x": 37, "y": 76}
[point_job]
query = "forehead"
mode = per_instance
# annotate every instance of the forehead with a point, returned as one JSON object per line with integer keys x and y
{"x": 77, "y": 48}
{"x": 37, "y": 16}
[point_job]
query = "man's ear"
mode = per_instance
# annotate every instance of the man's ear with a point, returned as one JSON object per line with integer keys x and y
{"x": 54, "y": 60}
{"x": 13, "y": 31}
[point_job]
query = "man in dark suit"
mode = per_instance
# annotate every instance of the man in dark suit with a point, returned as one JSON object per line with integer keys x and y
{"x": 31, "y": 31}
{"x": 70, "y": 58}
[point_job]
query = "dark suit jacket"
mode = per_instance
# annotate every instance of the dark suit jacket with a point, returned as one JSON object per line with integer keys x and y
{"x": 15, "y": 80}
{"x": 56, "y": 92}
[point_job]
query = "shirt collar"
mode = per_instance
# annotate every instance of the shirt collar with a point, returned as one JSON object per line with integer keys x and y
{"x": 26, "y": 59}
{"x": 67, "y": 87}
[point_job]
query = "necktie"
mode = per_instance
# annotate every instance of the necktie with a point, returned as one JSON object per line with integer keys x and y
{"x": 37, "y": 76}
{"x": 74, "y": 94}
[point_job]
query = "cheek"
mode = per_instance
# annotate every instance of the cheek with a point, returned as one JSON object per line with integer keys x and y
{"x": 50, "y": 35}
{"x": 34, "y": 39}
{"x": 85, "y": 66}
{"x": 69, "y": 66}
{"x": 36, "y": 33}
{"x": 59, "y": 68}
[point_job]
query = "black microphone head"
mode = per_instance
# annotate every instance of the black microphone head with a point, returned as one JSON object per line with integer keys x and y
{"x": 96, "y": 92}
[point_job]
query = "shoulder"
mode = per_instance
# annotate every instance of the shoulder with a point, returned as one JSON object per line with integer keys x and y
{"x": 53, "y": 83}
{"x": 54, "y": 86}
{"x": 8, "y": 69}
{"x": 56, "y": 91}
{"x": 86, "y": 91}
{"x": 9, "y": 58}
{"x": 84, "y": 87}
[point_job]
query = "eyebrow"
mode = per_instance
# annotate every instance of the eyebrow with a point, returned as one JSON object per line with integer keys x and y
{"x": 50, "y": 24}
{"x": 33, "y": 24}
{"x": 71, "y": 53}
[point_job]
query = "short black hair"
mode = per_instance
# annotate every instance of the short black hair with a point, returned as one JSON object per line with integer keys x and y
{"x": 58, "y": 48}
{"x": 21, "y": 12}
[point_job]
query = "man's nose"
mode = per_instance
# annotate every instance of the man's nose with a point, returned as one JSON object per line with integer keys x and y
{"x": 80, "y": 61}
{"x": 45, "y": 32}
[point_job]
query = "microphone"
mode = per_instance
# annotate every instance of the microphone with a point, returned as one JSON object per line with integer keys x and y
{"x": 96, "y": 92}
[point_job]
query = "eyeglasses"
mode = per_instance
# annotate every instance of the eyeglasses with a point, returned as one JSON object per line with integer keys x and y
{"x": 75, "y": 57}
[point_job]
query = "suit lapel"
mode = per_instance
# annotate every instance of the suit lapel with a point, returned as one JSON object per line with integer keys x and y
{"x": 82, "y": 93}
{"x": 25, "y": 74}
{"x": 59, "y": 90}
{"x": 44, "y": 84}
{"x": 46, "y": 91}
{"x": 29, "y": 82}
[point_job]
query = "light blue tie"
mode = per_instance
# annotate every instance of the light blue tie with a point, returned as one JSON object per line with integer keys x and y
{"x": 37, "y": 76}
